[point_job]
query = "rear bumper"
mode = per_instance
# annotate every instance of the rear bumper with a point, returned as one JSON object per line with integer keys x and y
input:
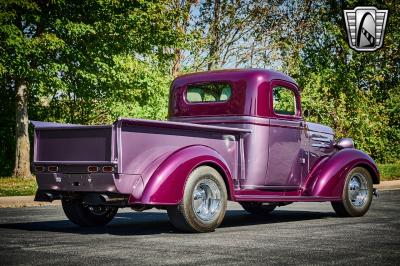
{"x": 58, "y": 183}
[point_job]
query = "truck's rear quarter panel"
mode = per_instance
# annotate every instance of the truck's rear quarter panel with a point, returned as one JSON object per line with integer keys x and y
{"x": 144, "y": 145}
{"x": 141, "y": 146}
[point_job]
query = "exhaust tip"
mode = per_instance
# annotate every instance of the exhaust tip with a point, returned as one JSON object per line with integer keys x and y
{"x": 375, "y": 192}
{"x": 45, "y": 196}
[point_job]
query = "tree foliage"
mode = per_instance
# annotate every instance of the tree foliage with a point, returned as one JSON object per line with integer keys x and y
{"x": 84, "y": 61}
{"x": 354, "y": 92}
{"x": 92, "y": 61}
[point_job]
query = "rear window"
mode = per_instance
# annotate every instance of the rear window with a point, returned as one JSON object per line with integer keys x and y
{"x": 210, "y": 92}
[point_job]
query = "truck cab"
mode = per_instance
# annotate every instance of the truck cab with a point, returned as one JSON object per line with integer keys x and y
{"x": 234, "y": 135}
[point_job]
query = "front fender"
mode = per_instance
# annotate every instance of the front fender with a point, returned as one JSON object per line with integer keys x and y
{"x": 328, "y": 177}
{"x": 166, "y": 184}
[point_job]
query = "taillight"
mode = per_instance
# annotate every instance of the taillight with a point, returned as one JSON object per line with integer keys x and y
{"x": 52, "y": 169}
{"x": 108, "y": 169}
{"x": 39, "y": 169}
{"x": 93, "y": 169}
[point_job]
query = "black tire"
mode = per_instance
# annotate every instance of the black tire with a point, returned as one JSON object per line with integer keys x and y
{"x": 258, "y": 208}
{"x": 348, "y": 206}
{"x": 184, "y": 217}
{"x": 87, "y": 216}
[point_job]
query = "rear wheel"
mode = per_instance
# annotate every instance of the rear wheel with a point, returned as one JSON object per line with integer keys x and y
{"x": 257, "y": 207}
{"x": 357, "y": 194}
{"x": 204, "y": 202}
{"x": 85, "y": 215}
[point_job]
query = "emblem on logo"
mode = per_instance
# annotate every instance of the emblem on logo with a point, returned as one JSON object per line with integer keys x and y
{"x": 365, "y": 27}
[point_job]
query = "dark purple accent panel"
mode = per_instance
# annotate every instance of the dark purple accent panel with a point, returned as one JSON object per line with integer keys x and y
{"x": 249, "y": 93}
{"x": 88, "y": 144}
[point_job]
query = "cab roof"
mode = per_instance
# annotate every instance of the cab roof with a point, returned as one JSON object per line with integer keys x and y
{"x": 232, "y": 74}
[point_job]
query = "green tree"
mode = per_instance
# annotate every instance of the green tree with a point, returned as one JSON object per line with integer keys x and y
{"x": 232, "y": 34}
{"x": 354, "y": 92}
{"x": 65, "y": 59}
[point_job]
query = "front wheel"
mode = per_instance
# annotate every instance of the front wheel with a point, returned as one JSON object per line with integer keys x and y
{"x": 85, "y": 215}
{"x": 357, "y": 194}
{"x": 204, "y": 202}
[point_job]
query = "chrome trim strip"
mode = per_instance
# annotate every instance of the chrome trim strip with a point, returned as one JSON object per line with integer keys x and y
{"x": 321, "y": 139}
{"x": 242, "y": 158}
{"x": 271, "y": 187}
{"x": 74, "y": 127}
{"x": 320, "y": 145}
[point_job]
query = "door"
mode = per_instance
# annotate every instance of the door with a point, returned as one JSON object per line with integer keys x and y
{"x": 285, "y": 158}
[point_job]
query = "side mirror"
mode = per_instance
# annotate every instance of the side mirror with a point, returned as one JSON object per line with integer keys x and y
{"x": 306, "y": 113}
{"x": 345, "y": 143}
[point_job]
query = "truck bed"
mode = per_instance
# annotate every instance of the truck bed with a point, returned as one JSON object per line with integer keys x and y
{"x": 134, "y": 147}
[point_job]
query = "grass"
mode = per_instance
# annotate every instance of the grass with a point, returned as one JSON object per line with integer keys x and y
{"x": 389, "y": 171}
{"x": 15, "y": 186}
{"x": 12, "y": 186}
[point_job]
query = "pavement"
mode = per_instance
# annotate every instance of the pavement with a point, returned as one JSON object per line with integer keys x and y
{"x": 27, "y": 201}
{"x": 300, "y": 233}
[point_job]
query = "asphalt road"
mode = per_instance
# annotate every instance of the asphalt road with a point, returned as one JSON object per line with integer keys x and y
{"x": 302, "y": 233}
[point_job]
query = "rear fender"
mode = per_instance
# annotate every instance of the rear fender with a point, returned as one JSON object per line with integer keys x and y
{"x": 165, "y": 186}
{"x": 328, "y": 178}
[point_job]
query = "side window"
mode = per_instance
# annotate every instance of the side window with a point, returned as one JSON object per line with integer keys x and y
{"x": 284, "y": 101}
{"x": 210, "y": 92}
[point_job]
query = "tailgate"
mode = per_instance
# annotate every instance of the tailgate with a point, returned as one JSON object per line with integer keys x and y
{"x": 70, "y": 143}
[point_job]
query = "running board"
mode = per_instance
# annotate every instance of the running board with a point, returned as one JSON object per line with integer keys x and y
{"x": 261, "y": 198}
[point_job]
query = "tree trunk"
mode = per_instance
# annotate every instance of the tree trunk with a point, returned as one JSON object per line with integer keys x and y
{"x": 176, "y": 67}
{"x": 181, "y": 26}
{"x": 22, "y": 161}
{"x": 215, "y": 34}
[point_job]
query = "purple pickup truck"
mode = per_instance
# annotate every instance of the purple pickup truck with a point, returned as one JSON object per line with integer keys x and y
{"x": 235, "y": 135}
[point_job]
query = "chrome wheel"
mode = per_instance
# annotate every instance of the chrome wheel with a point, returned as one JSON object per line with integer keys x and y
{"x": 203, "y": 204}
{"x": 357, "y": 194}
{"x": 358, "y": 190}
{"x": 206, "y": 200}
